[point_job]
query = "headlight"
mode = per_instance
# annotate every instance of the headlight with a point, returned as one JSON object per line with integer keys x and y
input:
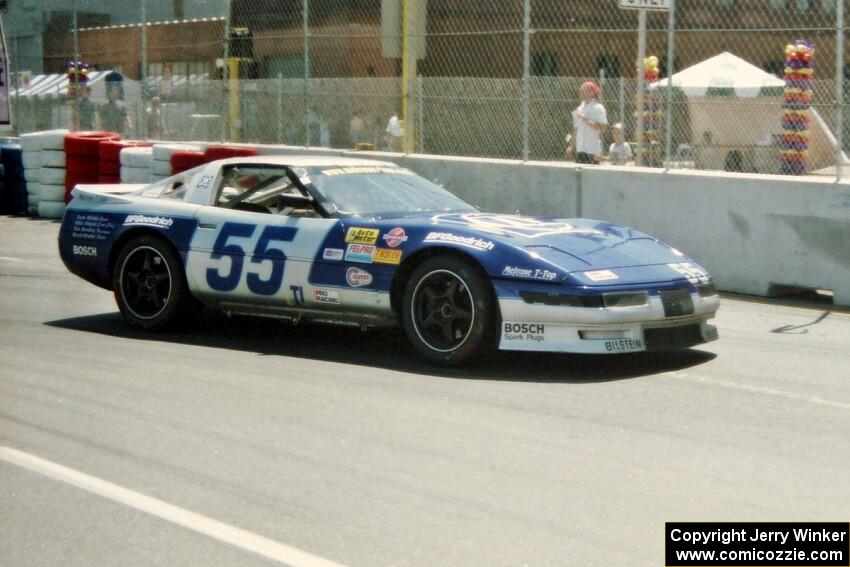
{"x": 707, "y": 289}
{"x": 625, "y": 299}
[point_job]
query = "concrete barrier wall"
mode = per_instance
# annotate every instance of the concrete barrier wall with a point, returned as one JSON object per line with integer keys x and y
{"x": 753, "y": 232}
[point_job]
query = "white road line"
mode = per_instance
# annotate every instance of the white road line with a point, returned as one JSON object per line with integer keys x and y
{"x": 13, "y": 259}
{"x": 207, "y": 526}
{"x": 770, "y": 392}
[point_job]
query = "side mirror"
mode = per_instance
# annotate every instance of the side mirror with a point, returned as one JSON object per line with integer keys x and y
{"x": 294, "y": 201}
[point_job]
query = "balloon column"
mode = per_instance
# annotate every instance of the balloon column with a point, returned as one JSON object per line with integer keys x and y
{"x": 652, "y": 114}
{"x": 78, "y": 76}
{"x": 799, "y": 71}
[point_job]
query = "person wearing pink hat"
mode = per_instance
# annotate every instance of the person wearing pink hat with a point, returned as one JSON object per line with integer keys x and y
{"x": 589, "y": 123}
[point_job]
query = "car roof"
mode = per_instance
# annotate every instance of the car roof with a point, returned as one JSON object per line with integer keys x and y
{"x": 307, "y": 161}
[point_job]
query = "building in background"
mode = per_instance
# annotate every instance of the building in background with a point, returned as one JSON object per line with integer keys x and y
{"x": 39, "y": 31}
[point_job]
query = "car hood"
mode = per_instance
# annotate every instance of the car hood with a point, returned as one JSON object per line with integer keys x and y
{"x": 570, "y": 244}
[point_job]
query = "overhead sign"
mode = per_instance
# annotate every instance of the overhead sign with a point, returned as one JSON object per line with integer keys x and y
{"x": 5, "y": 115}
{"x": 659, "y": 5}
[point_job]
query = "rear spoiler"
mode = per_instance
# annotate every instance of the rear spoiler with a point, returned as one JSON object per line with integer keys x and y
{"x": 105, "y": 192}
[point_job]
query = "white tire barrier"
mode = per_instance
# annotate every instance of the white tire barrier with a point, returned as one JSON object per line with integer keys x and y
{"x": 31, "y": 159}
{"x": 135, "y": 175}
{"x": 137, "y": 157}
{"x": 53, "y": 139}
{"x": 32, "y": 175}
{"x": 51, "y": 209}
{"x": 51, "y": 192}
{"x": 52, "y": 158}
{"x": 162, "y": 156}
{"x": 30, "y": 142}
{"x": 52, "y": 175}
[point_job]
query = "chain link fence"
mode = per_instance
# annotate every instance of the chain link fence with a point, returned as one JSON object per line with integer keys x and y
{"x": 495, "y": 78}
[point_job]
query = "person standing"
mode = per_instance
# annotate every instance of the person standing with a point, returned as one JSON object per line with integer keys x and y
{"x": 86, "y": 109}
{"x": 113, "y": 115}
{"x": 156, "y": 128}
{"x": 589, "y": 123}
{"x": 620, "y": 152}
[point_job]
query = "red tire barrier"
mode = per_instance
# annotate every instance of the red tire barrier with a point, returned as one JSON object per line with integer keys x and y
{"x": 110, "y": 150}
{"x": 87, "y": 144}
{"x": 110, "y": 168}
{"x": 82, "y": 167}
{"x": 109, "y": 179}
{"x": 181, "y": 161}
{"x": 223, "y": 152}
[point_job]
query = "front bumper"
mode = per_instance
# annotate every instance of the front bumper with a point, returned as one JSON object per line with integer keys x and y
{"x": 605, "y": 330}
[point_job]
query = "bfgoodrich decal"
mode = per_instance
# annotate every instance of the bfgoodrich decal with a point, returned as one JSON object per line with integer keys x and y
{"x": 156, "y": 221}
{"x": 467, "y": 241}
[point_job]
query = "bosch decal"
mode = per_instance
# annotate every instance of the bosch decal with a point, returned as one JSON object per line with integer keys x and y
{"x": 357, "y": 235}
{"x": 333, "y": 254}
{"x": 355, "y": 277}
{"x": 158, "y": 222}
{"x": 467, "y": 241}
{"x": 395, "y": 237}
{"x": 84, "y": 250}
{"x": 360, "y": 253}
{"x": 387, "y": 256}
{"x": 532, "y": 332}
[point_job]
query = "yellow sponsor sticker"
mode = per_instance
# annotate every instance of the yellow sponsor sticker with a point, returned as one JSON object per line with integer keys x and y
{"x": 387, "y": 256}
{"x": 356, "y": 235}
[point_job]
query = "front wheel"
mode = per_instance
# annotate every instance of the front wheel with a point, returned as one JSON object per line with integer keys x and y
{"x": 449, "y": 311}
{"x": 149, "y": 284}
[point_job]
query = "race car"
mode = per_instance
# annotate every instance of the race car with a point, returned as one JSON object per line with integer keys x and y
{"x": 373, "y": 244}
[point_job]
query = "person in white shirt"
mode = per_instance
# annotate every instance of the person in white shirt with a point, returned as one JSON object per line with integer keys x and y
{"x": 589, "y": 123}
{"x": 395, "y": 132}
{"x": 619, "y": 153}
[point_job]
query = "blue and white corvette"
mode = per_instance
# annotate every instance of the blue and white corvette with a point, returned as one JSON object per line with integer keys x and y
{"x": 372, "y": 244}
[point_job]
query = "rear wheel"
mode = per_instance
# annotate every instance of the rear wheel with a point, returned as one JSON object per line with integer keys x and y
{"x": 149, "y": 284}
{"x": 449, "y": 312}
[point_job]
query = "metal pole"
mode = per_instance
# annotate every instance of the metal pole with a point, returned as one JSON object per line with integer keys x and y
{"x": 305, "y": 27}
{"x": 408, "y": 75}
{"x": 640, "y": 84}
{"x": 622, "y": 101}
{"x": 668, "y": 119}
{"x": 225, "y": 72}
{"x": 526, "y": 77}
{"x": 144, "y": 71}
{"x": 839, "y": 91}
{"x": 279, "y": 107}
{"x": 420, "y": 91}
{"x": 76, "y": 37}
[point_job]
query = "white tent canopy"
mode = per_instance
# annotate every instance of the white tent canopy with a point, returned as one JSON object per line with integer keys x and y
{"x": 56, "y": 85}
{"x": 724, "y": 74}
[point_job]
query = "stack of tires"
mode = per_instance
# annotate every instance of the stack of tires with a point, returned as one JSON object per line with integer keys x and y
{"x": 47, "y": 195}
{"x": 213, "y": 153}
{"x": 83, "y": 163}
{"x": 110, "y": 159}
{"x": 31, "y": 160}
{"x": 136, "y": 165}
{"x": 14, "y": 183}
{"x": 185, "y": 160}
{"x": 161, "y": 165}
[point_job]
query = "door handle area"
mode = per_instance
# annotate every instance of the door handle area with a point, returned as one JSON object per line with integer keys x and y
{"x": 209, "y": 225}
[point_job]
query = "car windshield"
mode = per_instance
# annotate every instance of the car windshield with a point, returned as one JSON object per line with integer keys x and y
{"x": 377, "y": 191}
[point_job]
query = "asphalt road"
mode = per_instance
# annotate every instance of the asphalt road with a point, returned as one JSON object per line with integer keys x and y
{"x": 345, "y": 446}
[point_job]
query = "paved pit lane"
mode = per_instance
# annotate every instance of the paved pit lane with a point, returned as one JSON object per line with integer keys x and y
{"x": 345, "y": 446}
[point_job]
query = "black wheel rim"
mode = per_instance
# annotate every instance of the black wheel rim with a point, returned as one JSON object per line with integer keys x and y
{"x": 442, "y": 310}
{"x": 145, "y": 282}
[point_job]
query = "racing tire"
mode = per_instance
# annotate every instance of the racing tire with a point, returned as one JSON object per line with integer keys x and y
{"x": 48, "y": 192}
{"x": 449, "y": 312}
{"x": 149, "y": 284}
{"x": 87, "y": 144}
{"x": 51, "y": 209}
{"x": 138, "y": 157}
{"x": 31, "y": 160}
{"x": 52, "y": 158}
{"x": 52, "y": 175}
